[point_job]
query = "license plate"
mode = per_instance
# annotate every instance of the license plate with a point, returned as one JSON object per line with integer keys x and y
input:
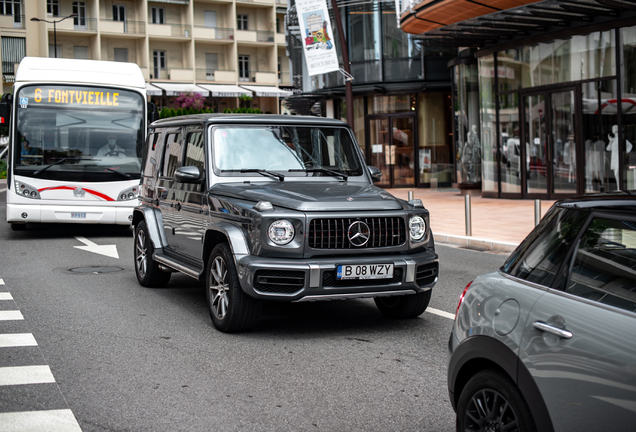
{"x": 365, "y": 271}
{"x": 78, "y": 215}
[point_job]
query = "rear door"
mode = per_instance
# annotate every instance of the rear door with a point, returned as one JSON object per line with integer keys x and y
{"x": 579, "y": 342}
{"x": 166, "y": 194}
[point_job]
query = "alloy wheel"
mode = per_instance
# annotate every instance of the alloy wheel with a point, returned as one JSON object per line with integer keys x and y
{"x": 219, "y": 300}
{"x": 489, "y": 411}
{"x": 142, "y": 249}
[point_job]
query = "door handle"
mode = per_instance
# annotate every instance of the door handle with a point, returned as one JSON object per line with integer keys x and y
{"x": 541, "y": 326}
{"x": 178, "y": 206}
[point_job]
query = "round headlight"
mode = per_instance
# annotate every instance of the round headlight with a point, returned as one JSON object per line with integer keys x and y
{"x": 281, "y": 232}
{"x": 417, "y": 227}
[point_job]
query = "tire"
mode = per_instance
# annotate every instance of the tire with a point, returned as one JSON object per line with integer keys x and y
{"x": 18, "y": 226}
{"x": 231, "y": 310}
{"x": 406, "y": 306}
{"x": 491, "y": 401}
{"x": 146, "y": 268}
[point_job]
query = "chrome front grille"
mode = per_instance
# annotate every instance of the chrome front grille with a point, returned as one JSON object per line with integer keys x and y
{"x": 332, "y": 233}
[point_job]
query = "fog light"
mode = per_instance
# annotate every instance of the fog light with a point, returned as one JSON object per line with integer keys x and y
{"x": 34, "y": 194}
{"x": 131, "y": 195}
{"x": 25, "y": 192}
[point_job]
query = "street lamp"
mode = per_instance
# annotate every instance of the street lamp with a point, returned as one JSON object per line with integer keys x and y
{"x": 54, "y": 22}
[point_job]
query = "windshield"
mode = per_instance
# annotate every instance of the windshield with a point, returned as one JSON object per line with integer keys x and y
{"x": 298, "y": 150}
{"x": 78, "y": 133}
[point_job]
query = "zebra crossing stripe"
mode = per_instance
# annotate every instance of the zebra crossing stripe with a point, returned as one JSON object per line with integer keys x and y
{"x": 50, "y": 421}
{"x": 11, "y": 315}
{"x": 17, "y": 340}
{"x": 5, "y": 296}
{"x": 20, "y": 375}
{"x": 1, "y": 282}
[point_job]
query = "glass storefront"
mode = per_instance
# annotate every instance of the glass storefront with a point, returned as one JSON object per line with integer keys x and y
{"x": 563, "y": 115}
{"x": 467, "y": 125}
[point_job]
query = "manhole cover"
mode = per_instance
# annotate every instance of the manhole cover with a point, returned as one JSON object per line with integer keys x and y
{"x": 95, "y": 270}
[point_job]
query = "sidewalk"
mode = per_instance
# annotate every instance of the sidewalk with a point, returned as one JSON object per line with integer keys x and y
{"x": 497, "y": 224}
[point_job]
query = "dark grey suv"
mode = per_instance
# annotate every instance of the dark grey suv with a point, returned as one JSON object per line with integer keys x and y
{"x": 547, "y": 342}
{"x": 276, "y": 208}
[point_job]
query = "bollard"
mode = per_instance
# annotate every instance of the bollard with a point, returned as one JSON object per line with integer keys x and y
{"x": 469, "y": 231}
{"x": 537, "y": 212}
{"x": 410, "y": 195}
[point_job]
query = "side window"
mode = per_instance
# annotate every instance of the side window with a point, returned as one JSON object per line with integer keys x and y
{"x": 604, "y": 267}
{"x": 172, "y": 154}
{"x": 150, "y": 158}
{"x": 195, "y": 154}
{"x": 540, "y": 256}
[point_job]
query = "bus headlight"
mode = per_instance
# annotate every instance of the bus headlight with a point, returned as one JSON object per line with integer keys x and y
{"x": 281, "y": 232}
{"x": 128, "y": 194}
{"x": 26, "y": 190}
{"x": 417, "y": 228}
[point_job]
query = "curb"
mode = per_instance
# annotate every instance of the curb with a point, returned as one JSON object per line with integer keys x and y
{"x": 476, "y": 243}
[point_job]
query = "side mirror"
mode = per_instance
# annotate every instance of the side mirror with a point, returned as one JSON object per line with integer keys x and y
{"x": 189, "y": 174}
{"x": 5, "y": 109}
{"x": 376, "y": 174}
{"x": 153, "y": 114}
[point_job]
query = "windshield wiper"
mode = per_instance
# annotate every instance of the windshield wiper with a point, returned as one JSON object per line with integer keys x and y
{"x": 57, "y": 163}
{"x": 262, "y": 172}
{"x": 112, "y": 170}
{"x": 322, "y": 170}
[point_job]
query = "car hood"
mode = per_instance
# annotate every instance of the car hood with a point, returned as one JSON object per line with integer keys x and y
{"x": 312, "y": 196}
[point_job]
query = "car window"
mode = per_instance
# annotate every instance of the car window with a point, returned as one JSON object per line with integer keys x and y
{"x": 172, "y": 155}
{"x": 604, "y": 267}
{"x": 150, "y": 162}
{"x": 195, "y": 154}
{"x": 539, "y": 257}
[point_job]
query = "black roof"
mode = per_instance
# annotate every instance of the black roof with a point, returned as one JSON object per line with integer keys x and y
{"x": 248, "y": 119}
{"x": 615, "y": 201}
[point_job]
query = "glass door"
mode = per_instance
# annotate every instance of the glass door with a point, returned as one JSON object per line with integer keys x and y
{"x": 392, "y": 149}
{"x": 563, "y": 123}
{"x": 536, "y": 142}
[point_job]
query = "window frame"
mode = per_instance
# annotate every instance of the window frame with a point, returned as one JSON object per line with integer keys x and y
{"x": 157, "y": 15}
{"x": 53, "y": 8}
{"x": 242, "y": 21}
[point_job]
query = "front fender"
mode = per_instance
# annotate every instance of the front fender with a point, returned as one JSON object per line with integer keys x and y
{"x": 154, "y": 222}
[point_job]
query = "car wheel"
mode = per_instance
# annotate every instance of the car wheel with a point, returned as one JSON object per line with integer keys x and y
{"x": 146, "y": 268}
{"x": 406, "y": 306}
{"x": 230, "y": 308}
{"x": 490, "y": 401}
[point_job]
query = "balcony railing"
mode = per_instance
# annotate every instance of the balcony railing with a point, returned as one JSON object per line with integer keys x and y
{"x": 284, "y": 78}
{"x": 12, "y": 21}
{"x": 215, "y": 75}
{"x": 202, "y": 32}
{"x": 172, "y": 30}
{"x": 122, "y": 27}
{"x": 264, "y": 36}
{"x": 80, "y": 24}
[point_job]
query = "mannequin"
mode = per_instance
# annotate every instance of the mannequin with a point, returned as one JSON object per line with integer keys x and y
{"x": 471, "y": 157}
{"x": 613, "y": 147}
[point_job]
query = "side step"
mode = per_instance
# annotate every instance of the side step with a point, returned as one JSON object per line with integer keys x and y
{"x": 179, "y": 265}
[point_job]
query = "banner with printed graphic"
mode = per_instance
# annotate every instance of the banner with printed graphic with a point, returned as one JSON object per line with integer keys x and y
{"x": 317, "y": 36}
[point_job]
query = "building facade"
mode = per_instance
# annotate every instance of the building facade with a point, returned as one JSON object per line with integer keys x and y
{"x": 219, "y": 48}
{"x": 543, "y": 93}
{"x": 401, "y": 94}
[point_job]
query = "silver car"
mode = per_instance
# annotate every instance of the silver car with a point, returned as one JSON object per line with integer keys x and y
{"x": 548, "y": 342}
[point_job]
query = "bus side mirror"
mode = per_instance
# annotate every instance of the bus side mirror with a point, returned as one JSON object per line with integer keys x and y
{"x": 153, "y": 114}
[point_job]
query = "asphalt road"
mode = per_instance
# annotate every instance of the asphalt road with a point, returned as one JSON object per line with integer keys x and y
{"x": 128, "y": 358}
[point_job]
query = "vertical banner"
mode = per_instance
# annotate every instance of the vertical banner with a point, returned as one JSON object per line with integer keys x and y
{"x": 317, "y": 36}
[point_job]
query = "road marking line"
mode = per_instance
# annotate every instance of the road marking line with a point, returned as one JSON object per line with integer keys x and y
{"x": 440, "y": 313}
{"x": 10, "y": 315}
{"x": 5, "y": 296}
{"x": 2, "y": 190}
{"x": 51, "y": 421}
{"x": 1, "y": 282}
{"x": 17, "y": 340}
{"x": 20, "y": 375}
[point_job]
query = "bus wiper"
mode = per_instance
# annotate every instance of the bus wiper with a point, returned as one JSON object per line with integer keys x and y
{"x": 262, "y": 172}
{"x": 112, "y": 170}
{"x": 57, "y": 163}
{"x": 322, "y": 170}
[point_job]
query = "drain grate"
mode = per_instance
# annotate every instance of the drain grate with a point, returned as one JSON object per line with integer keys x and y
{"x": 95, "y": 270}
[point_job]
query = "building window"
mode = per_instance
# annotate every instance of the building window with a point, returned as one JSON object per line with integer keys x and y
{"x": 241, "y": 22}
{"x": 80, "y": 52}
{"x": 53, "y": 7}
{"x": 159, "y": 63}
{"x": 13, "y": 51}
{"x": 158, "y": 15}
{"x": 53, "y": 53}
{"x": 211, "y": 64}
{"x": 244, "y": 67}
{"x": 12, "y": 7}
{"x": 79, "y": 21}
{"x": 121, "y": 54}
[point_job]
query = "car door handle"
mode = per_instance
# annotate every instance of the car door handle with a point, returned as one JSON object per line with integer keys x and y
{"x": 178, "y": 206}
{"x": 541, "y": 326}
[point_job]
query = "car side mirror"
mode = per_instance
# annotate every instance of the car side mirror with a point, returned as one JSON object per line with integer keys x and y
{"x": 189, "y": 174}
{"x": 376, "y": 174}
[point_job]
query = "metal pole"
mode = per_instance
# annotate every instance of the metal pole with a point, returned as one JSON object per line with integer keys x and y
{"x": 537, "y": 212}
{"x": 469, "y": 231}
{"x": 345, "y": 60}
{"x": 55, "y": 39}
{"x": 410, "y": 195}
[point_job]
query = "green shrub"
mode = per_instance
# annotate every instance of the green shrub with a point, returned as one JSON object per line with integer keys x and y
{"x": 3, "y": 169}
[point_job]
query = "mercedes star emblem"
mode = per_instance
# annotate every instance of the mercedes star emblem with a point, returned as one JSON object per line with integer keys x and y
{"x": 359, "y": 233}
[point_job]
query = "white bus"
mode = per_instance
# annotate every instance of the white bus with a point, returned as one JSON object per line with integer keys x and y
{"x": 77, "y": 128}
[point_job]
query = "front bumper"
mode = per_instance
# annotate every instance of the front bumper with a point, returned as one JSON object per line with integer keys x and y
{"x": 298, "y": 280}
{"x": 65, "y": 214}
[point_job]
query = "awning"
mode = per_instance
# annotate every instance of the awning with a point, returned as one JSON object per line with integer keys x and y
{"x": 181, "y": 2}
{"x": 218, "y": 90}
{"x": 267, "y": 91}
{"x": 152, "y": 90}
{"x": 175, "y": 89}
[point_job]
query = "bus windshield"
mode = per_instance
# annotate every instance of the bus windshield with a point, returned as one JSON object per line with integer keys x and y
{"x": 79, "y": 133}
